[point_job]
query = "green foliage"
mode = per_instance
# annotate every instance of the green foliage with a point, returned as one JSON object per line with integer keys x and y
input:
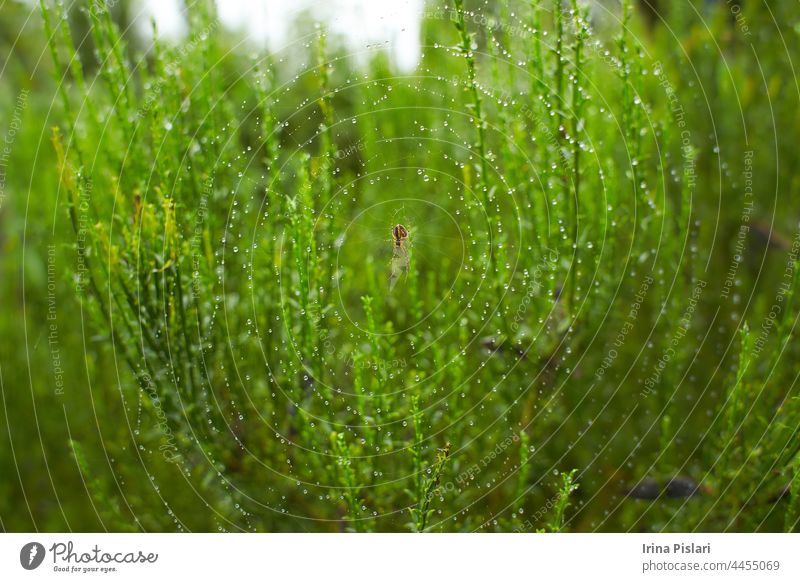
{"x": 568, "y": 487}
{"x": 211, "y": 229}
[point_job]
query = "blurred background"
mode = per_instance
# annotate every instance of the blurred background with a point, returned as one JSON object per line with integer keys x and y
{"x": 67, "y": 464}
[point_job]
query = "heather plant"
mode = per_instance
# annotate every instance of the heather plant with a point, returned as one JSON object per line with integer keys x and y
{"x": 594, "y": 331}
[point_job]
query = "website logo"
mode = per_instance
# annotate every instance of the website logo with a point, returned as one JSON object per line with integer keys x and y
{"x": 31, "y": 555}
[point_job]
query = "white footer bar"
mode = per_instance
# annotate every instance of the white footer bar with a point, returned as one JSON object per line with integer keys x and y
{"x": 400, "y": 557}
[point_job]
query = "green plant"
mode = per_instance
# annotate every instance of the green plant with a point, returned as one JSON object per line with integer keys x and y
{"x": 217, "y": 226}
{"x": 568, "y": 487}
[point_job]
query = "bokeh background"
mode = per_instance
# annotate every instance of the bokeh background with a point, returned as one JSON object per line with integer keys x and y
{"x": 596, "y": 331}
